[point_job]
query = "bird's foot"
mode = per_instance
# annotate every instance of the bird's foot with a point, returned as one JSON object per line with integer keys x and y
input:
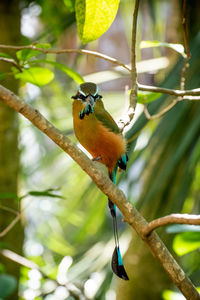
{"x": 97, "y": 158}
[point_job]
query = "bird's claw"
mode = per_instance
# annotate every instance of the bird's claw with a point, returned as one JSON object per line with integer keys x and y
{"x": 97, "y": 158}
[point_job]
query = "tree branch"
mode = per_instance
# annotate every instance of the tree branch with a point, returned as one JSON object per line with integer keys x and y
{"x": 11, "y": 61}
{"x": 186, "y": 60}
{"x": 172, "y": 219}
{"x": 161, "y": 113}
{"x": 141, "y": 87}
{"x": 155, "y": 89}
{"x": 132, "y": 216}
{"x": 133, "y": 95}
{"x": 14, "y": 221}
{"x": 63, "y": 51}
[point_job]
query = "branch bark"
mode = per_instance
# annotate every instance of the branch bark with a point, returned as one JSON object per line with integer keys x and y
{"x": 131, "y": 215}
{"x": 133, "y": 95}
{"x": 172, "y": 219}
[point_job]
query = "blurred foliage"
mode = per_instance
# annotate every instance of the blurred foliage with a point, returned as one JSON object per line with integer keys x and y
{"x": 69, "y": 232}
{"x": 8, "y": 284}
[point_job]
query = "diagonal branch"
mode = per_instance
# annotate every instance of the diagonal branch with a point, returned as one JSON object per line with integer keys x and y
{"x": 14, "y": 221}
{"x": 131, "y": 215}
{"x": 172, "y": 219}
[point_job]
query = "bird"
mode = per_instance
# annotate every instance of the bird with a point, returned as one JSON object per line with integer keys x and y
{"x": 99, "y": 134}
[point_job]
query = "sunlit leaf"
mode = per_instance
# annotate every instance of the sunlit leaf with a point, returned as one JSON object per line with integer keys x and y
{"x": 147, "y": 97}
{"x": 170, "y": 295}
{"x": 43, "y": 45}
{"x": 186, "y": 242}
{"x": 70, "y": 72}
{"x": 3, "y": 54}
{"x": 36, "y": 75}
{"x": 94, "y": 17}
{"x": 26, "y": 54}
{"x": 70, "y": 4}
{"x": 177, "y": 47}
{"x": 8, "y": 284}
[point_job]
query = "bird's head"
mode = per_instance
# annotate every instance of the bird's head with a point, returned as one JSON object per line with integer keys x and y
{"x": 87, "y": 93}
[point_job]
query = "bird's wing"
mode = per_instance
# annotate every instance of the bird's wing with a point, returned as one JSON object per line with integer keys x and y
{"x": 105, "y": 118}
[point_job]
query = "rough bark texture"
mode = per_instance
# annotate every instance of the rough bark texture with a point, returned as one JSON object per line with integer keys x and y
{"x": 9, "y": 155}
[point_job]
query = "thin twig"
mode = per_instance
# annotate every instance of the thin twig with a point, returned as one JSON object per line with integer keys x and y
{"x": 10, "y": 226}
{"x": 185, "y": 30}
{"x": 161, "y": 113}
{"x": 11, "y": 61}
{"x": 75, "y": 292}
{"x": 9, "y": 209}
{"x": 155, "y": 89}
{"x": 130, "y": 213}
{"x": 172, "y": 219}
{"x": 133, "y": 95}
{"x": 62, "y": 51}
{"x": 191, "y": 98}
{"x": 186, "y": 60}
{"x": 141, "y": 87}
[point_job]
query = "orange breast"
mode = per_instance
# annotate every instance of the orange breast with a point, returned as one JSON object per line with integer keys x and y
{"x": 97, "y": 139}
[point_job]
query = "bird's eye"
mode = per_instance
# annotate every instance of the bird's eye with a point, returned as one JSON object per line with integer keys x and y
{"x": 81, "y": 96}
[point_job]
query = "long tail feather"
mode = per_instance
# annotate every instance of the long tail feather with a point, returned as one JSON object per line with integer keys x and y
{"x": 117, "y": 263}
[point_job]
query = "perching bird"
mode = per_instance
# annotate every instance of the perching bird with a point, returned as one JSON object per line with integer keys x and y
{"x": 98, "y": 133}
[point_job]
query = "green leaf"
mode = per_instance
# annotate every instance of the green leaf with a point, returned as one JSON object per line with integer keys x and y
{"x": 94, "y": 17}
{"x": 186, "y": 242}
{"x": 177, "y": 47}
{"x": 70, "y": 4}
{"x": 8, "y": 284}
{"x": 147, "y": 97}
{"x": 2, "y": 75}
{"x": 3, "y": 54}
{"x": 70, "y": 72}
{"x": 46, "y": 193}
{"x": 36, "y": 75}
{"x": 8, "y": 195}
{"x": 26, "y": 54}
{"x": 42, "y": 45}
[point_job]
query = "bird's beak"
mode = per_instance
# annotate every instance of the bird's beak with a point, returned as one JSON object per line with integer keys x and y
{"x": 90, "y": 100}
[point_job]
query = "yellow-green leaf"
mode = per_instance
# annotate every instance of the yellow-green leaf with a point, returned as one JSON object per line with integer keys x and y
{"x": 36, "y": 75}
{"x": 177, "y": 47}
{"x": 26, "y": 54}
{"x": 70, "y": 72}
{"x": 186, "y": 242}
{"x": 147, "y": 97}
{"x": 94, "y": 17}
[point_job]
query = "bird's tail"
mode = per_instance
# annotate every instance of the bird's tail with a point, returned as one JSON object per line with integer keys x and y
{"x": 117, "y": 263}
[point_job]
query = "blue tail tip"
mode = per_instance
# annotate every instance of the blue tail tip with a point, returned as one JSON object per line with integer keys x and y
{"x": 117, "y": 265}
